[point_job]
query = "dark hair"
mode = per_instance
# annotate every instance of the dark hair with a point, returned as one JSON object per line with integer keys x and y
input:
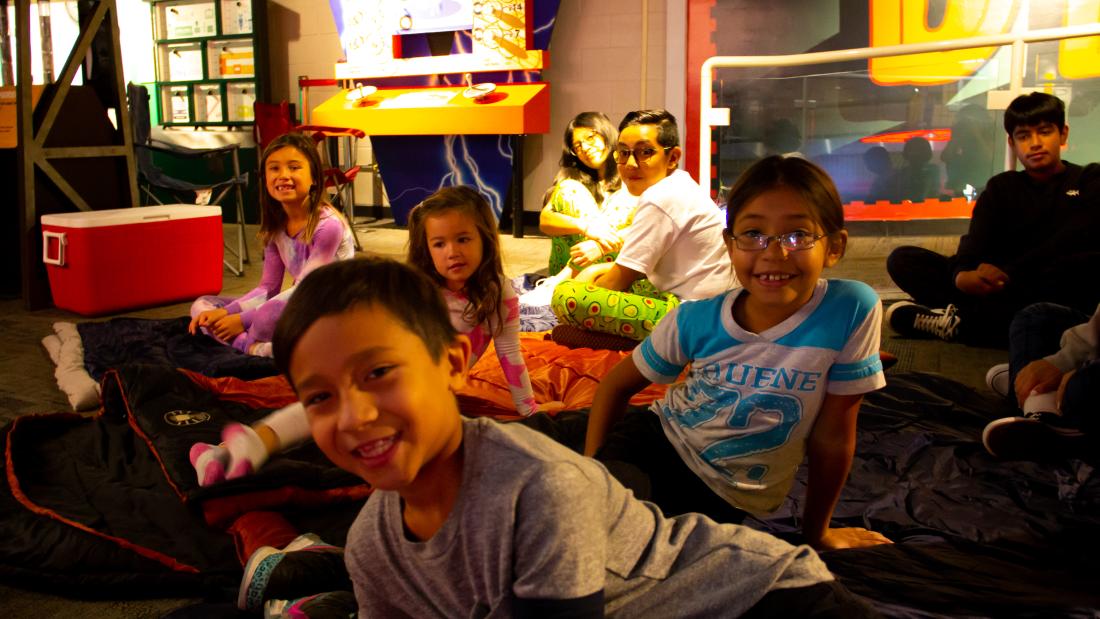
{"x": 1035, "y": 108}
{"x": 795, "y": 173}
{"x": 483, "y": 288}
{"x": 917, "y": 151}
{"x": 272, "y": 216}
{"x": 570, "y": 167}
{"x": 667, "y": 133}
{"x": 407, "y": 294}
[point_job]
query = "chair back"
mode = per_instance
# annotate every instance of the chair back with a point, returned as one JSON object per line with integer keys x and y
{"x": 140, "y": 123}
{"x": 271, "y": 121}
{"x": 138, "y": 96}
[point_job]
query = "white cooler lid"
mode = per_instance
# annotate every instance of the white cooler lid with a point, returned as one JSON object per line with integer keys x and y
{"x": 122, "y": 216}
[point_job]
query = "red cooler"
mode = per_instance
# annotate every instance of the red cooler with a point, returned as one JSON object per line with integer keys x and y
{"x": 105, "y": 261}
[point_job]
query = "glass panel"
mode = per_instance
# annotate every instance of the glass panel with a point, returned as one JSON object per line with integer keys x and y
{"x": 242, "y": 97}
{"x": 236, "y": 16}
{"x": 182, "y": 20}
{"x": 926, "y": 149}
{"x": 208, "y": 103}
{"x": 231, "y": 58}
{"x": 181, "y": 62}
{"x": 175, "y": 104}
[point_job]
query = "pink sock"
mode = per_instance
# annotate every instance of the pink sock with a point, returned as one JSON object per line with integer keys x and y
{"x": 246, "y": 450}
{"x": 209, "y": 462}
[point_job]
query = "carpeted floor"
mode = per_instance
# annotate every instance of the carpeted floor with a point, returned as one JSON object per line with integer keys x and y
{"x": 27, "y": 385}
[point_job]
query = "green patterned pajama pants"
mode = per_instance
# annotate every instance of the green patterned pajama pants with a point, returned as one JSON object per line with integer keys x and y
{"x": 626, "y": 314}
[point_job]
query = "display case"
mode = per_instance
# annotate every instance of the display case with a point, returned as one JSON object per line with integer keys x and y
{"x": 210, "y": 60}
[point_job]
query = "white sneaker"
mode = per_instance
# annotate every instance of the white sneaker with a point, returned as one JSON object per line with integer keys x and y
{"x": 998, "y": 379}
{"x": 541, "y": 294}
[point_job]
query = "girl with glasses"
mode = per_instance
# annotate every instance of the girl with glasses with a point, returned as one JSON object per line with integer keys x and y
{"x": 778, "y": 369}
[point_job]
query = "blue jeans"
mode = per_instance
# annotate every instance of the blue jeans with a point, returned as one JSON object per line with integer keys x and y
{"x": 1036, "y": 332}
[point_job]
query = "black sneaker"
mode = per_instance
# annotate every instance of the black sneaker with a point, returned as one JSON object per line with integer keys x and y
{"x": 909, "y": 319}
{"x": 305, "y": 566}
{"x": 1038, "y": 437}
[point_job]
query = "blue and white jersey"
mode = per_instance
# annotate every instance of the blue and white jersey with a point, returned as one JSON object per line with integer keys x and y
{"x": 742, "y": 417}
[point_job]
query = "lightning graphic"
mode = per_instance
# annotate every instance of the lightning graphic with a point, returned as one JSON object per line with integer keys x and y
{"x": 463, "y": 169}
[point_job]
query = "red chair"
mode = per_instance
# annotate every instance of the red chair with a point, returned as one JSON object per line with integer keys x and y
{"x": 271, "y": 121}
{"x": 339, "y": 146}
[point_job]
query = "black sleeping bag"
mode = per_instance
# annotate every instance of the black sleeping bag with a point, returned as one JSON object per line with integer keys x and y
{"x": 108, "y": 506}
{"x": 127, "y": 341}
{"x": 974, "y": 535}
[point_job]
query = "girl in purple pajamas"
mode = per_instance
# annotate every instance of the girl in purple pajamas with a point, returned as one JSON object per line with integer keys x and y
{"x": 299, "y": 230}
{"x": 453, "y": 238}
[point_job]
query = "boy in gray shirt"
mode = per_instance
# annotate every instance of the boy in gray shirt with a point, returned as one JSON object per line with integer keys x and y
{"x": 471, "y": 518}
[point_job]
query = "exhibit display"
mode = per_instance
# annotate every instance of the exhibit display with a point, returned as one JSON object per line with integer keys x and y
{"x": 210, "y": 69}
{"x": 454, "y": 83}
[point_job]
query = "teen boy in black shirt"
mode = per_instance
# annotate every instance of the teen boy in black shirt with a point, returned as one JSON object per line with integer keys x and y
{"x": 1033, "y": 237}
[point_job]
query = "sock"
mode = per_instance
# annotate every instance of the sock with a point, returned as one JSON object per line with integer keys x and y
{"x": 246, "y": 450}
{"x": 290, "y": 424}
{"x": 209, "y": 462}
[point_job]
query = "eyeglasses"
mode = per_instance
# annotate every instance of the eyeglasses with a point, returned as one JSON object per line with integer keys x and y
{"x": 798, "y": 240}
{"x": 641, "y": 153}
{"x": 593, "y": 139}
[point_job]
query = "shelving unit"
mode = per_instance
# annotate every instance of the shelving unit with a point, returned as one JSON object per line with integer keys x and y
{"x": 211, "y": 61}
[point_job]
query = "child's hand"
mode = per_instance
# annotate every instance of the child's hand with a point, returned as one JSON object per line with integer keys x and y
{"x": 205, "y": 319}
{"x": 986, "y": 279}
{"x": 850, "y": 537}
{"x": 1039, "y": 376}
{"x": 585, "y": 253}
{"x": 227, "y": 327}
{"x": 602, "y": 233}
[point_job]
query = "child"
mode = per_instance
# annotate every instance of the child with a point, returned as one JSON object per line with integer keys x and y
{"x": 476, "y": 518}
{"x": 673, "y": 241}
{"x": 778, "y": 368}
{"x": 300, "y": 231}
{"x": 452, "y": 238}
{"x": 1056, "y": 383}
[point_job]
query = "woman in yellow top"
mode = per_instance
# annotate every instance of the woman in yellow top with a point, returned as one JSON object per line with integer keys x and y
{"x": 584, "y": 210}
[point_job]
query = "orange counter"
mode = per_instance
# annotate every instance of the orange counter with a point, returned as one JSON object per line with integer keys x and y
{"x": 510, "y": 109}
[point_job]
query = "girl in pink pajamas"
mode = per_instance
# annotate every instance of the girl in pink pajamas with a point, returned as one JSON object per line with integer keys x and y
{"x": 300, "y": 231}
{"x": 453, "y": 238}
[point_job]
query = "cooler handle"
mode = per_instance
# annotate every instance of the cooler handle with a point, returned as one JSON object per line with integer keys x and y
{"x": 60, "y": 236}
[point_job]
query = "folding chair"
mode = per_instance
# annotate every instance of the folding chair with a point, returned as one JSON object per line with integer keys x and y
{"x": 150, "y": 177}
{"x": 339, "y": 146}
{"x": 271, "y": 121}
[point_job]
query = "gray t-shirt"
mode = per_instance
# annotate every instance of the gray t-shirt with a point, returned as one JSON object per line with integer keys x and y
{"x": 535, "y": 520}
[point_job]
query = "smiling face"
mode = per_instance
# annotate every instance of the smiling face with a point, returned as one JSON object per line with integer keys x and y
{"x": 641, "y": 175}
{"x": 778, "y": 282}
{"x": 1039, "y": 147}
{"x": 287, "y": 176}
{"x": 379, "y": 405}
{"x": 589, "y": 147}
{"x": 455, "y": 246}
